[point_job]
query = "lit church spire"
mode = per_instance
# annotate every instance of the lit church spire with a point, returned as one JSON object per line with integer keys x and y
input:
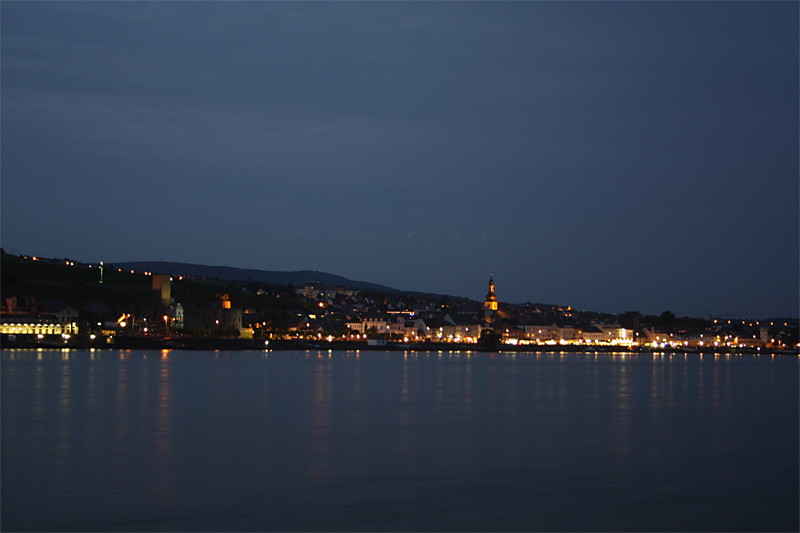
{"x": 491, "y": 300}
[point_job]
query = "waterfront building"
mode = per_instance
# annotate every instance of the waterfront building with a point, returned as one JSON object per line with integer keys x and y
{"x": 614, "y": 333}
{"x": 213, "y": 316}
{"x": 568, "y": 333}
{"x": 375, "y": 323}
{"x": 461, "y": 329}
{"x": 355, "y": 327}
{"x": 542, "y": 332}
{"x": 592, "y": 334}
{"x": 36, "y": 325}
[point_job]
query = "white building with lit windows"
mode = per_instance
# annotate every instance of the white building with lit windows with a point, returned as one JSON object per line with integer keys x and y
{"x": 36, "y": 325}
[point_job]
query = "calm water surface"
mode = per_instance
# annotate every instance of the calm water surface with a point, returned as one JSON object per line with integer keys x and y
{"x": 342, "y": 441}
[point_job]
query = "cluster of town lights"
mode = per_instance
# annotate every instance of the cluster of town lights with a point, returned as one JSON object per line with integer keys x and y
{"x": 461, "y": 336}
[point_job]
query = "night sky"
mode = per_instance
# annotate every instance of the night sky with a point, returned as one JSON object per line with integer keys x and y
{"x": 608, "y": 156}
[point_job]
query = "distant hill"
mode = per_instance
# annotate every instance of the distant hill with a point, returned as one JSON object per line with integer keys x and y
{"x": 273, "y": 277}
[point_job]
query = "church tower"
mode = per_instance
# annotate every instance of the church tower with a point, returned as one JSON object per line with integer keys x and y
{"x": 490, "y": 304}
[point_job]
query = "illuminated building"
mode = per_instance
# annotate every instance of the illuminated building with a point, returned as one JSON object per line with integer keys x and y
{"x": 460, "y": 329}
{"x": 490, "y": 304}
{"x": 212, "y": 316}
{"x": 36, "y": 325}
{"x": 357, "y": 327}
{"x": 491, "y": 300}
{"x": 176, "y": 315}
{"x": 161, "y": 295}
{"x": 614, "y": 333}
{"x": 541, "y": 332}
{"x": 568, "y": 333}
{"x": 592, "y": 334}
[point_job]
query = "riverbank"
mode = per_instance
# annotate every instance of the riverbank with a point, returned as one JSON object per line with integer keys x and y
{"x": 200, "y": 343}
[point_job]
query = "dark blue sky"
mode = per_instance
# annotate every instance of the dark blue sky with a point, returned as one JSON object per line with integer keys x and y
{"x": 608, "y": 156}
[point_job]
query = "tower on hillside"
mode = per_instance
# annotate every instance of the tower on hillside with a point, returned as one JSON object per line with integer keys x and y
{"x": 490, "y": 304}
{"x": 162, "y": 295}
{"x": 491, "y": 299}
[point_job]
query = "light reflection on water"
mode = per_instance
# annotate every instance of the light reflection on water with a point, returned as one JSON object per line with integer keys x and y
{"x": 320, "y": 453}
{"x": 323, "y": 440}
{"x": 162, "y": 482}
{"x": 121, "y": 430}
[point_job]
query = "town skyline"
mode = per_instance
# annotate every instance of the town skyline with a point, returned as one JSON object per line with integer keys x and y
{"x": 55, "y": 302}
{"x": 304, "y": 281}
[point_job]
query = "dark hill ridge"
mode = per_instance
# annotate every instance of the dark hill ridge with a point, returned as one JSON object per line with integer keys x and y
{"x": 274, "y": 277}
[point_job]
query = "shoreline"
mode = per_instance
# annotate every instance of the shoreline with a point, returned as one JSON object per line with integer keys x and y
{"x": 196, "y": 343}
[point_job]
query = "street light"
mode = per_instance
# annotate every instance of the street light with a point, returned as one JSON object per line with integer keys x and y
{"x": 166, "y": 325}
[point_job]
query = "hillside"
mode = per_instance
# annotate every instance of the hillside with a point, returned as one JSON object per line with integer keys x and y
{"x": 273, "y": 277}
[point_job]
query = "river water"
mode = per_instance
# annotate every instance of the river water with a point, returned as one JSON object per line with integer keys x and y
{"x": 393, "y": 441}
